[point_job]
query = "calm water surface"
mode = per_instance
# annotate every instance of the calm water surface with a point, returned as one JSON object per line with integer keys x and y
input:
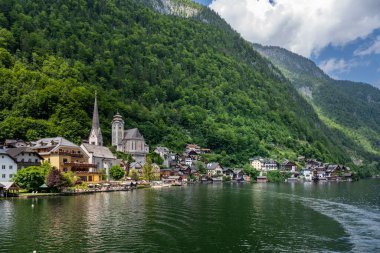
{"x": 329, "y": 217}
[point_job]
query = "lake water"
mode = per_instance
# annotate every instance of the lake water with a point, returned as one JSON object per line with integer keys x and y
{"x": 302, "y": 217}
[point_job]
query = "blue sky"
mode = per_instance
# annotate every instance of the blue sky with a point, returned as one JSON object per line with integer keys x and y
{"x": 341, "y": 37}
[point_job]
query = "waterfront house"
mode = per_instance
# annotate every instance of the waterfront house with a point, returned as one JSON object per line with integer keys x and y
{"x": 25, "y": 157}
{"x": 165, "y": 172}
{"x": 8, "y": 166}
{"x": 66, "y": 156}
{"x": 238, "y": 175}
{"x": 270, "y": 164}
{"x": 227, "y": 172}
{"x": 214, "y": 169}
{"x": 9, "y": 189}
{"x": 101, "y": 156}
{"x": 261, "y": 179}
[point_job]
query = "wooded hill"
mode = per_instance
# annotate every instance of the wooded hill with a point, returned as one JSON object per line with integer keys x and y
{"x": 173, "y": 69}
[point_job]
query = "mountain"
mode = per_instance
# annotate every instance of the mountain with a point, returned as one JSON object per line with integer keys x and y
{"x": 348, "y": 107}
{"x": 172, "y": 68}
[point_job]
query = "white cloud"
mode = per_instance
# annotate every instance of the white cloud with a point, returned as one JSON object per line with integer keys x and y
{"x": 335, "y": 66}
{"x": 302, "y": 26}
{"x": 372, "y": 49}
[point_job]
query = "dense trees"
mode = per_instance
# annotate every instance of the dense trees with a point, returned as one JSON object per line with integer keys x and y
{"x": 179, "y": 80}
{"x": 116, "y": 172}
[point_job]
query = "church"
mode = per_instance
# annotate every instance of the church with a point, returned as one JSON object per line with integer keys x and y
{"x": 128, "y": 141}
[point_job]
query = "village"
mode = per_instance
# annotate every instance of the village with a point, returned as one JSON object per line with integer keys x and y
{"x": 92, "y": 163}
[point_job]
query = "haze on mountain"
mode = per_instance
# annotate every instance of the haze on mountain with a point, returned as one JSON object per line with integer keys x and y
{"x": 172, "y": 68}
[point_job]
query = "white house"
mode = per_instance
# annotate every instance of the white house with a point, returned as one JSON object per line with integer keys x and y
{"x": 261, "y": 164}
{"x": 214, "y": 169}
{"x": 101, "y": 156}
{"x": 25, "y": 157}
{"x": 8, "y": 166}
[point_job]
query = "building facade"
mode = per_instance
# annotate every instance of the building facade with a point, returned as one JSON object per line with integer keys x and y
{"x": 66, "y": 156}
{"x": 128, "y": 141}
{"x": 8, "y": 166}
{"x": 25, "y": 157}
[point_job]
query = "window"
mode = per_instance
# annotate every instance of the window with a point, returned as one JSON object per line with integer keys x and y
{"x": 10, "y": 175}
{"x": 3, "y": 167}
{"x": 36, "y": 160}
{"x": 3, "y": 176}
{"x": 10, "y": 167}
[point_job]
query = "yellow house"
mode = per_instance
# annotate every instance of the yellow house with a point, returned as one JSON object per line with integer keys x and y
{"x": 66, "y": 156}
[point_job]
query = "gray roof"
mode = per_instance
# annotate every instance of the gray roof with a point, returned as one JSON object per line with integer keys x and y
{"x": 52, "y": 142}
{"x": 14, "y": 152}
{"x": 212, "y": 166}
{"x": 98, "y": 151}
{"x": 133, "y": 133}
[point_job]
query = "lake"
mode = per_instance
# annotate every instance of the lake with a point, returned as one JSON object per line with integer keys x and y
{"x": 301, "y": 217}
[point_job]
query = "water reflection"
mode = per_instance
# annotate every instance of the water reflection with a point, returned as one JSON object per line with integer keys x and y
{"x": 213, "y": 218}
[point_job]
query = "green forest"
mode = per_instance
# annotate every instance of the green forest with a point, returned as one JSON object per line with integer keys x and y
{"x": 179, "y": 80}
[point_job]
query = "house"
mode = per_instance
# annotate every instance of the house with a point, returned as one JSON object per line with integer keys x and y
{"x": 238, "y": 175}
{"x": 25, "y": 157}
{"x": 66, "y": 156}
{"x": 136, "y": 166}
{"x": 270, "y": 164}
{"x": 8, "y": 166}
{"x": 261, "y": 164}
{"x": 129, "y": 141}
{"x": 15, "y": 143}
{"x": 101, "y": 156}
{"x": 288, "y": 166}
{"x": 228, "y": 172}
{"x": 9, "y": 189}
{"x": 257, "y": 163}
{"x": 261, "y": 179}
{"x": 165, "y": 173}
{"x": 214, "y": 169}
{"x": 308, "y": 175}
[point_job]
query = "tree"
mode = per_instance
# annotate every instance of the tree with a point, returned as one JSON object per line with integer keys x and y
{"x": 148, "y": 172}
{"x": 155, "y": 158}
{"x": 134, "y": 174}
{"x": 55, "y": 180}
{"x": 30, "y": 178}
{"x": 250, "y": 171}
{"x": 116, "y": 172}
{"x": 201, "y": 167}
{"x": 70, "y": 178}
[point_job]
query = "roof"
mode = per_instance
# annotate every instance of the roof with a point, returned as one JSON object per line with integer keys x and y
{"x": 9, "y": 185}
{"x": 133, "y": 133}
{"x": 52, "y": 142}
{"x": 212, "y": 166}
{"x": 14, "y": 152}
{"x": 4, "y": 152}
{"x": 98, "y": 151}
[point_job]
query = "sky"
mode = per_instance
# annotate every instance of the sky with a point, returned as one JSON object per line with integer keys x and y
{"x": 341, "y": 36}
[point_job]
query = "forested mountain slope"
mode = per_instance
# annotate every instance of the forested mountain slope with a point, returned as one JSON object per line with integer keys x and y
{"x": 186, "y": 77}
{"x": 351, "y": 108}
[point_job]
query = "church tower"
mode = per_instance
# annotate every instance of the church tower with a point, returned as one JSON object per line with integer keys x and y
{"x": 96, "y": 137}
{"x": 117, "y": 131}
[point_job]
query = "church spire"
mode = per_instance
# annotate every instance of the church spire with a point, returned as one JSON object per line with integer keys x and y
{"x": 95, "y": 115}
{"x": 96, "y": 137}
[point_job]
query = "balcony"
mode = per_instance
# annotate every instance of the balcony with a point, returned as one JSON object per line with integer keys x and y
{"x": 79, "y": 166}
{"x": 67, "y": 153}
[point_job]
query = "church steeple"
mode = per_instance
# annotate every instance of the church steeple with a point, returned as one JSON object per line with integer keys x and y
{"x": 96, "y": 137}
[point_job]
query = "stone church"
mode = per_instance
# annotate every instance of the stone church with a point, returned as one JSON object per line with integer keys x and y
{"x": 128, "y": 141}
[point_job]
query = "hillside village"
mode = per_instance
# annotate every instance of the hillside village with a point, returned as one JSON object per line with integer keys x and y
{"x": 91, "y": 162}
